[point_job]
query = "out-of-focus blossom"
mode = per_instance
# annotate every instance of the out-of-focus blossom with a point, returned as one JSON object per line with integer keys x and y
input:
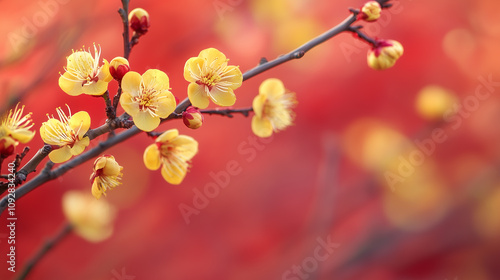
{"x": 385, "y": 54}
{"x": 107, "y": 175}
{"x": 17, "y": 126}
{"x": 370, "y": 11}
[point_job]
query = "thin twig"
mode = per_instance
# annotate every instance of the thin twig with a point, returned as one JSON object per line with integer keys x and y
{"x": 228, "y": 112}
{"x": 44, "y": 250}
{"x": 124, "y": 15}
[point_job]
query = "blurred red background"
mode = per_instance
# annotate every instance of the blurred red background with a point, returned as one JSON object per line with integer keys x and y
{"x": 321, "y": 179}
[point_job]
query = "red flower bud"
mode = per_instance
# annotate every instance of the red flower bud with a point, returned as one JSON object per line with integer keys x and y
{"x": 118, "y": 67}
{"x": 139, "y": 21}
{"x": 192, "y": 117}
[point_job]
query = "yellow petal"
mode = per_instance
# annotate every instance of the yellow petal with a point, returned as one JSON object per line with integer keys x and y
{"x": 131, "y": 83}
{"x": 168, "y": 135}
{"x": 60, "y": 155}
{"x": 261, "y": 127}
{"x": 95, "y": 88}
{"x": 104, "y": 74}
{"x": 96, "y": 191}
{"x": 166, "y": 105}
{"x": 152, "y": 157}
{"x": 75, "y": 59}
{"x": 197, "y": 95}
{"x": 80, "y": 146}
{"x": 80, "y": 122}
{"x": 128, "y": 104}
{"x": 233, "y": 75}
{"x": 213, "y": 57}
{"x": 272, "y": 87}
{"x": 47, "y": 129}
{"x": 70, "y": 85}
{"x": 99, "y": 163}
{"x": 154, "y": 78}
{"x": 222, "y": 98}
{"x": 22, "y": 135}
{"x": 173, "y": 175}
{"x": 192, "y": 68}
{"x": 258, "y": 105}
{"x": 112, "y": 168}
{"x": 189, "y": 146}
{"x": 145, "y": 122}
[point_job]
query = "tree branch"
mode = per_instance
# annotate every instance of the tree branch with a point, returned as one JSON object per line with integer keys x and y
{"x": 228, "y": 112}
{"x": 47, "y": 175}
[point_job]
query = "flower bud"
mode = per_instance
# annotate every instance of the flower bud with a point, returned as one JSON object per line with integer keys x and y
{"x": 7, "y": 146}
{"x": 118, "y": 67}
{"x": 370, "y": 11}
{"x": 139, "y": 20}
{"x": 192, "y": 117}
{"x": 385, "y": 54}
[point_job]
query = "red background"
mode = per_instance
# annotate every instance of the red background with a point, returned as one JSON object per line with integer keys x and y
{"x": 321, "y": 178}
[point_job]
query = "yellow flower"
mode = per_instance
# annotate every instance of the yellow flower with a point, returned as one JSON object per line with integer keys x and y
{"x": 211, "y": 78}
{"x": 84, "y": 75}
{"x": 66, "y": 134}
{"x": 18, "y": 126}
{"x": 385, "y": 54}
{"x": 273, "y": 108}
{"x": 147, "y": 98}
{"x": 370, "y": 11}
{"x": 172, "y": 152}
{"x": 91, "y": 219}
{"x": 107, "y": 175}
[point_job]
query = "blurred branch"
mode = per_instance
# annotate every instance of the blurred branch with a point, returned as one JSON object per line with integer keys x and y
{"x": 181, "y": 107}
{"x": 49, "y": 244}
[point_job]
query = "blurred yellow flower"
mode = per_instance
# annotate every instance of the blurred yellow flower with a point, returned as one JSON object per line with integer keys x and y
{"x": 66, "y": 134}
{"x": 434, "y": 101}
{"x": 147, "y": 98}
{"x": 273, "y": 108}
{"x": 91, "y": 219}
{"x": 17, "y": 126}
{"x": 107, "y": 175}
{"x": 211, "y": 79}
{"x": 370, "y": 11}
{"x": 385, "y": 54}
{"x": 84, "y": 75}
{"x": 172, "y": 152}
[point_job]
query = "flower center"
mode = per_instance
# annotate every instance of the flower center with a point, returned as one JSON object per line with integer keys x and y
{"x": 210, "y": 79}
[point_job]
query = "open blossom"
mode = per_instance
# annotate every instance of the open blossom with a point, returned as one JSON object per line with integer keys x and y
{"x": 107, "y": 175}
{"x": 211, "y": 79}
{"x": 91, "y": 219}
{"x": 66, "y": 134}
{"x": 172, "y": 152}
{"x": 17, "y": 126}
{"x": 84, "y": 74}
{"x": 147, "y": 98}
{"x": 385, "y": 54}
{"x": 273, "y": 108}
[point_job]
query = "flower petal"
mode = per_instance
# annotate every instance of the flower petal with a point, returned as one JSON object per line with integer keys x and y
{"x": 80, "y": 122}
{"x": 79, "y": 146}
{"x": 168, "y": 135}
{"x": 96, "y": 191}
{"x": 151, "y": 157}
{"x": 70, "y": 85}
{"x": 272, "y": 87}
{"x": 258, "y": 105}
{"x": 197, "y": 96}
{"x": 145, "y": 122}
{"x": 128, "y": 104}
{"x": 154, "y": 78}
{"x": 173, "y": 174}
{"x": 95, "y": 88}
{"x": 262, "y": 127}
{"x": 104, "y": 74}
{"x": 187, "y": 146}
{"x": 192, "y": 69}
{"x": 222, "y": 98}
{"x": 233, "y": 76}
{"x": 213, "y": 57}
{"x": 111, "y": 168}
{"x": 22, "y": 135}
{"x": 166, "y": 105}
{"x": 131, "y": 83}
{"x": 60, "y": 155}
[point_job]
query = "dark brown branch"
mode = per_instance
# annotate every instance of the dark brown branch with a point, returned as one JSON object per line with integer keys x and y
{"x": 228, "y": 112}
{"x": 113, "y": 140}
{"x": 49, "y": 244}
{"x": 124, "y": 15}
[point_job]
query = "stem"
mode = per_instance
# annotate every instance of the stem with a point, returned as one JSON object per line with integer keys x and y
{"x": 228, "y": 112}
{"x": 363, "y": 36}
{"x": 47, "y": 175}
{"x": 124, "y": 15}
{"x": 44, "y": 250}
